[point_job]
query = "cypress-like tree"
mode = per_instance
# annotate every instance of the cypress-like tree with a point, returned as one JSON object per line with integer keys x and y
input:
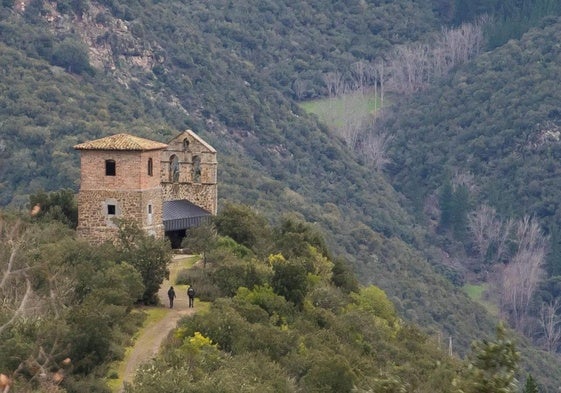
{"x": 446, "y": 206}
{"x": 460, "y": 208}
{"x": 531, "y": 386}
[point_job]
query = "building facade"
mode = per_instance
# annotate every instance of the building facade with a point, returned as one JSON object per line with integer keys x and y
{"x": 163, "y": 188}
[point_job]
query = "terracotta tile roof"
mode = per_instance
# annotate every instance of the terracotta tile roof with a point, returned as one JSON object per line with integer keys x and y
{"x": 121, "y": 142}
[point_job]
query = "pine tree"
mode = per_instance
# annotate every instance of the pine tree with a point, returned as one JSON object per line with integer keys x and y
{"x": 494, "y": 364}
{"x": 531, "y": 386}
{"x": 446, "y": 206}
{"x": 460, "y": 208}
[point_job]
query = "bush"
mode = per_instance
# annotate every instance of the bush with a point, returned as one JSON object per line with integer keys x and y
{"x": 72, "y": 55}
{"x": 201, "y": 280}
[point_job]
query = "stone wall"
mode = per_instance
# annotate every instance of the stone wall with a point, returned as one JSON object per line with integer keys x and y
{"x": 197, "y": 167}
{"x": 132, "y": 193}
{"x": 96, "y": 224}
{"x": 131, "y": 170}
{"x": 202, "y": 195}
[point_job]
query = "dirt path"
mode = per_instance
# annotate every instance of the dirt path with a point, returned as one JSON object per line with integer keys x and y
{"x": 148, "y": 343}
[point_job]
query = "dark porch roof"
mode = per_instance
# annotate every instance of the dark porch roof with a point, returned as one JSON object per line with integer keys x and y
{"x": 182, "y": 214}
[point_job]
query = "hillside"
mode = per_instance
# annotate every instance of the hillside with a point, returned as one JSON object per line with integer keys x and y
{"x": 152, "y": 68}
{"x": 495, "y": 123}
{"x": 490, "y": 133}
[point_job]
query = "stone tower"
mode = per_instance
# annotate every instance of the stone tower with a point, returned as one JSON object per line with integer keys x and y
{"x": 163, "y": 188}
{"x": 120, "y": 178}
{"x": 189, "y": 170}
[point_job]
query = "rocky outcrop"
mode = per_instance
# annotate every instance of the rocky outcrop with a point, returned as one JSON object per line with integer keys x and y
{"x": 113, "y": 46}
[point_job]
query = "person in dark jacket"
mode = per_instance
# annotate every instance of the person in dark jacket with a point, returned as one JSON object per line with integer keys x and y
{"x": 191, "y": 295}
{"x": 171, "y": 296}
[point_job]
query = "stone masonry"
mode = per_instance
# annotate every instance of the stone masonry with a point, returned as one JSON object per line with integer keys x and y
{"x": 123, "y": 176}
{"x": 195, "y": 173}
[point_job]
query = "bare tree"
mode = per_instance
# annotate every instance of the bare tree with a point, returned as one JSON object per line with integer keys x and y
{"x": 412, "y": 67}
{"x": 503, "y": 239}
{"x": 550, "y": 323}
{"x": 23, "y": 302}
{"x": 333, "y": 83}
{"x": 299, "y": 87}
{"x": 374, "y": 149}
{"x": 15, "y": 286}
{"x": 353, "y": 119}
{"x": 465, "y": 178}
{"x": 484, "y": 228}
{"x": 521, "y": 276}
{"x": 380, "y": 79}
{"x": 488, "y": 233}
{"x": 360, "y": 74}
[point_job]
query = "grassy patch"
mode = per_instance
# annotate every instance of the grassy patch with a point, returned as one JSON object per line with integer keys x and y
{"x": 117, "y": 369}
{"x": 185, "y": 261}
{"x": 335, "y": 111}
{"x": 477, "y": 293}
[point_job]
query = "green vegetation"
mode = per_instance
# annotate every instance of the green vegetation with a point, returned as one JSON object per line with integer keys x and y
{"x": 149, "y": 256}
{"x": 492, "y": 138}
{"x": 276, "y": 335}
{"x": 477, "y": 293}
{"x": 235, "y": 73}
{"x": 512, "y": 18}
{"x": 117, "y": 368}
{"x": 63, "y": 299}
{"x": 333, "y": 111}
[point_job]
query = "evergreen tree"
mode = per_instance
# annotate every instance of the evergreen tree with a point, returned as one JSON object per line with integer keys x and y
{"x": 554, "y": 255}
{"x": 460, "y": 208}
{"x": 531, "y": 386}
{"x": 494, "y": 365}
{"x": 446, "y": 206}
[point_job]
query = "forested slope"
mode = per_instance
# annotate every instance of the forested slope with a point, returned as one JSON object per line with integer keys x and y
{"x": 483, "y": 147}
{"x": 155, "y": 68}
{"x": 496, "y": 119}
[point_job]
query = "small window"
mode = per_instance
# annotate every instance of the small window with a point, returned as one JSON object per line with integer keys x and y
{"x": 185, "y": 144}
{"x": 111, "y": 210}
{"x": 110, "y": 168}
{"x": 150, "y": 167}
{"x": 149, "y": 218}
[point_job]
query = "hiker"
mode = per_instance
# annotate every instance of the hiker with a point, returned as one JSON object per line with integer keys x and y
{"x": 171, "y": 296}
{"x": 191, "y": 295}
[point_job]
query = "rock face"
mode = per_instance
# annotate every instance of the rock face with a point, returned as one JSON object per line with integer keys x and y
{"x": 112, "y": 44}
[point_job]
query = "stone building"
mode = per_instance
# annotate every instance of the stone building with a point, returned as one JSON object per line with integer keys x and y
{"x": 163, "y": 188}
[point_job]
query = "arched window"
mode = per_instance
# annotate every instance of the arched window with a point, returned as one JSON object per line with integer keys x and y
{"x": 150, "y": 167}
{"x": 110, "y": 168}
{"x": 174, "y": 169}
{"x": 196, "y": 169}
{"x": 185, "y": 144}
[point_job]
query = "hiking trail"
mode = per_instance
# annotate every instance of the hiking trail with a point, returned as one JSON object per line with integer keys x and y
{"x": 147, "y": 345}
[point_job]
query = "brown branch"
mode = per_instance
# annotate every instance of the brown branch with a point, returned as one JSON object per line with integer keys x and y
{"x": 21, "y": 307}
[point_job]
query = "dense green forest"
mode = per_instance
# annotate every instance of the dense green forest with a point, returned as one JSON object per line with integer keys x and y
{"x": 78, "y": 70}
